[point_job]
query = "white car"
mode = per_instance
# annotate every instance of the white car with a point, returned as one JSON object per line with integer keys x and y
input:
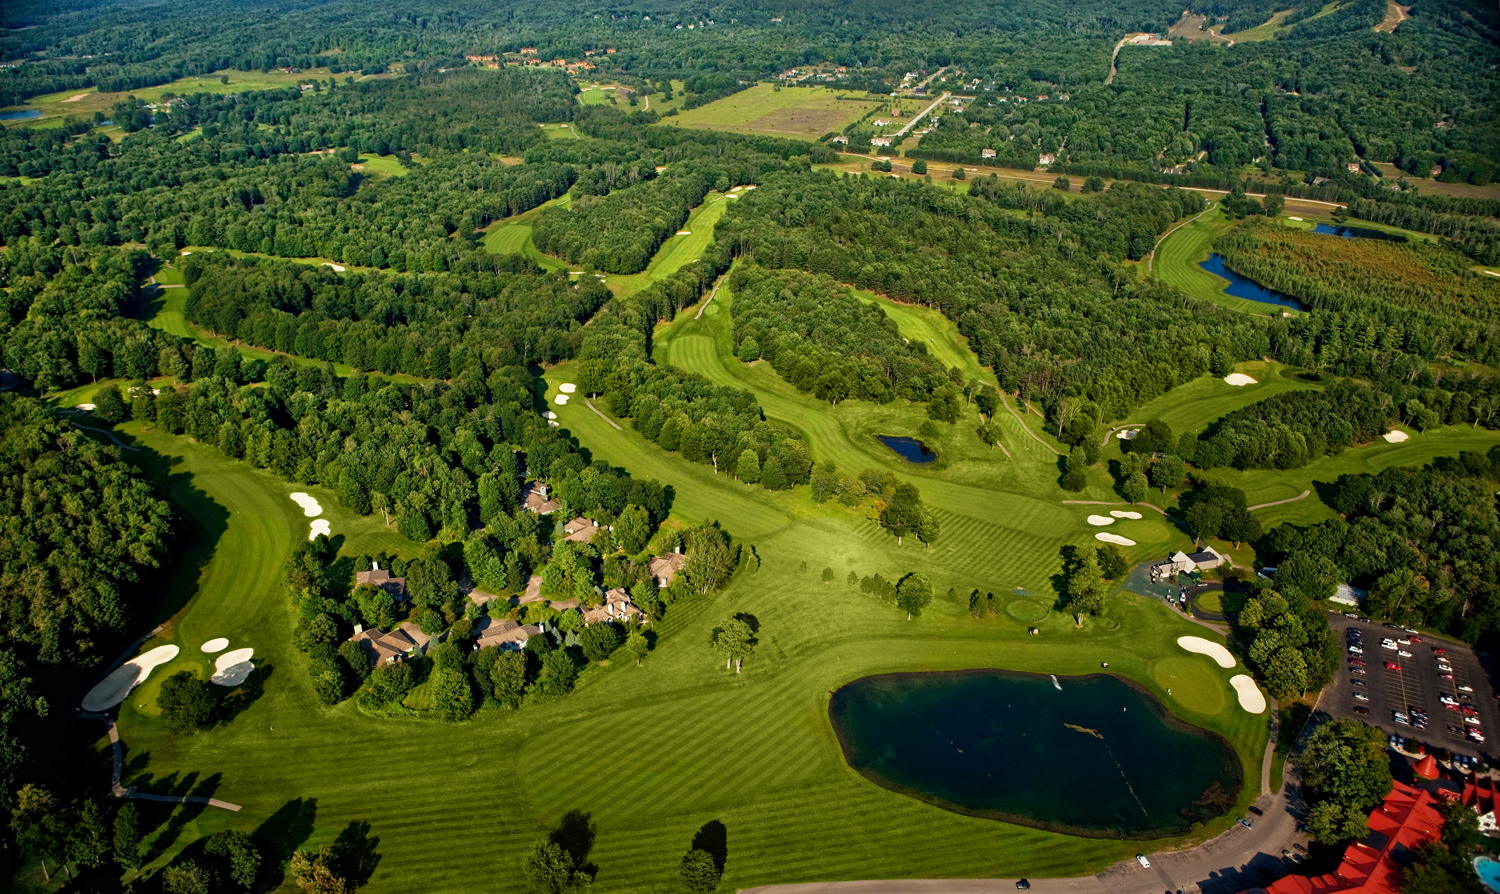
{"x": 1403, "y": 653}
{"x": 1388, "y": 644}
{"x": 1466, "y": 689}
{"x": 1141, "y": 859}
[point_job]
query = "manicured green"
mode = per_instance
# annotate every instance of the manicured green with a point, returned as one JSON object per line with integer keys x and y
{"x": 1177, "y": 258}
{"x": 513, "y": 235}
{"x": 381, "y": 166}
{"x": 1193, "y": 406}
{"x": 652, "y": 752}
{"x": 678, "y": 251}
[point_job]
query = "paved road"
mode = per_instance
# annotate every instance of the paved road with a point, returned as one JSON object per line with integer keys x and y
{"x": 922, "y": 114}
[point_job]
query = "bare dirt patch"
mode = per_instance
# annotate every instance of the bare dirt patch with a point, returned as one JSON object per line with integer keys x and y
{"x": 1394, "y": 15}
{"x": 800, "y": 122}
{"x": 1191, "y": 27}
{"x": 75, "y": 97}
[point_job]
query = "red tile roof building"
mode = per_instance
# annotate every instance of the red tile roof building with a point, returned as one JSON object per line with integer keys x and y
{"x": 1407, "y": 819}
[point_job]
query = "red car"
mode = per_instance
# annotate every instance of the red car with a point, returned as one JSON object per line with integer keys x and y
{"x": 1360, "y": 709}
{"x": 1439, "y": 650}
{"x": 1392, "y": 666}
{"x": 1414, "y": 638}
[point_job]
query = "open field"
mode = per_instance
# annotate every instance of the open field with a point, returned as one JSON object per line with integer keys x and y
{"x": 56, "y": 107}
{"x": 798, "y": 112}
{"x": 1395, "y": 14}
{"x": 1195, "y": 27}
{"x": 1429, "y": 186}
{"x": 1264, "y": 31}
{"x": 380, "y": 166}
{"x": 674, "y": 724}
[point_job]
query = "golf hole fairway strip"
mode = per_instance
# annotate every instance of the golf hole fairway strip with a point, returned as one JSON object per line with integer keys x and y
{"x": 113, "y": 688}
{"x": 1239, "y": 379}
{"x": 232, "y": 668}
{"x": 1206, "y": 647}
{"x": 1115, "y": 538}
{"x": 970, "y": 742}
{"x": 1395, "y": 437}
{"x": 310, "y": 505}
{"x": 1121, "y": 513}
{"x": 319, "y": 526}
{"x": 1251, "y": 698}
{"x": 218, "y": 644}
{"x": 567, "y": 388}
{"x": 1100, "y": 520}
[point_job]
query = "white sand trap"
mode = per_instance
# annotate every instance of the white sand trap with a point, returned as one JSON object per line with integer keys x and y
{"x": 567, "y": 388}
{"x": 575, "y": 272}
{"x": 1396, "y": 437}
{"x": 1239, "y": 379}
{"x": 1128, "y": 434}
{"x": 75, "y": 97}
{"x": 319, "y": 526}
{"x": 1251, "y": 698}
{"x": 1293, "y": 218}
{"x": 232, "y": 668}
{"x": 684, "y": 232}
{"x": 732, "y": 196}
{"x": 86, "y": 407}
{"x": 1100, "y": 520}
{"x": 560, "y": 400}
{"x": 1205, "y": 647}
{"x": 1121, "y": 513}
{"x": 551, "y": 415}
{"x": 310, "y": 505}
{"x": 1115, "y": 538}
{"x": 113, "y": 688}
{"x": 218, "y": 644}
{"x": 337, "y": 268}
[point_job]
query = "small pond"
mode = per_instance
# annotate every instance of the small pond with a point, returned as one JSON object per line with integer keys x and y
{"x": 20, "y": 115}
{"x": 912, "y": 450}
{"x": 1094, "y": 756}
{"x": 1240, "y": 287}
{"x": 1357, "y": 233}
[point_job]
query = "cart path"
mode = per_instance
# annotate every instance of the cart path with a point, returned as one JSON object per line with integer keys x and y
{"x": 1024, "y": 427}
{"x": 591, "y": 406}
{"x": 1301, "y": 496}
{"x": 711, "y": 295}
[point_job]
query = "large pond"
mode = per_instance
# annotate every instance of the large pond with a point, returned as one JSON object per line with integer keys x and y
{"x": 1240, "y": 287}
{"x": 1093, "y": 756}
{"x": 912, "y": 450}
{"x": 1357, "y": 233}
{"x": 20, "y": 115}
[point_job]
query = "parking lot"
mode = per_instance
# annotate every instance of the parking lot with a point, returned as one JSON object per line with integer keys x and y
{"x": 1419, "y": 683}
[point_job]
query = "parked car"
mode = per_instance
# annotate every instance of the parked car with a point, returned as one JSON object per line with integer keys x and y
{"x": 1359, "y": 683}
{"x": 1141, "y": 859}
{"x": 1359, "y": 709}
{"x": 1403, "y": 653}
{"x": 1361, "y": 697}
{"x": 1356, "y": 650}
{"x": 1023, "y": 885}
{"x": 1466, "y": 688}
{"x": 1357, "y": 670}
{"x": 1245, "y": 821}
{"x": 1257, "y": 811}
{"x": 1392, "y": 666}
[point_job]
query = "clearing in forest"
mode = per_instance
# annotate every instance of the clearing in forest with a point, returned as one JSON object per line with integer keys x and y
{"x": 798, "y": 112}
{"x": 1395, "y": 14}
{"x": 1196, "y": 27}
{"x": 1264, "y": 31}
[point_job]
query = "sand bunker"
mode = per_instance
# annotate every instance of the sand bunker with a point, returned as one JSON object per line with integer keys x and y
{"x": 1396, "y": 437}
{"x": 560, "y": 399}
{"x": 1115, "y": 538}
{"x": 567, "y": 388}
{"x": 1205, "y": 647}
{"x": 1239, "y": 379}
{"x": 88, "y": 408}
{"x": 1293, "y": 218}
{"x": 75, "y": 97}
{"x": 337, "y": 268}
{"x": 113, "y": 688}
{"x": 1100, "y": 520}
{"x": 1121, "y": 513}
{"x": 218, "y": 644}
{"x": 1127, "y": 435}
{"x": 233, "y": 668}
{"x": 551, "y": 415}
{"x": 319, "y": 526}
{"x": 310, "y": 505}
{"x": 1251, "y": 698}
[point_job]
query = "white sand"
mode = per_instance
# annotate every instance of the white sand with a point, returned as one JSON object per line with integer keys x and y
{"x": 1115, "y": 538}
{"x": 684, "y": 232}
{"x": 1251, "y": 698}
{"x": 560, "y": 399}
{"x": 1121, "y": 513}
{"x": 551, "y": 415}
{"x": 567, "y": 388}
{"x": 113, "y": 688}
{"x": 1293, "y": 218}
{"x": 575, "y": 272}
{"x": 1128, "y": 434}
{"x": 1100, "y": 520}
{"x": 1206, "y": 647}
{"x": 735, "y": 197}
{"x": 75, "y": 97}
{"x": 87, "y": 407}
{"x": 319, "y": 526}
{"x": 1396, "y": 437}
{"x": 1239, "y": 379}
{"x": 232, "y": 668}
{"x": 217, "y": 644}
{"x": 310, "y": 505}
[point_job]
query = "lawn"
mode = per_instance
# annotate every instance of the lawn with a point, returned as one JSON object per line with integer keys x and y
{"x": 380, "y": 166}
{"x": 1178, "y": 255}
{"x": 687, "y": 742}
{"x": 57, "y": 107}
{"x": 1264, "y": 31}
{"x": 678, "y": 251}
{"x": 797, "y": 112}
{"x": 513, "y": 235}
{"x": 1193, "y": 406}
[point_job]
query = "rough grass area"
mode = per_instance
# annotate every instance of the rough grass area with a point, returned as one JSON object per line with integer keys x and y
{"x": 1193, "y": 406}
{"x": 1264, "y": 31}
{"x": 56, "y": 107}
{"x": 380, "y": 166}
{"x": 798, "y": 112}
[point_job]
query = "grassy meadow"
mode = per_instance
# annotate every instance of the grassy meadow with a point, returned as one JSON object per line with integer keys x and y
{"x": 795, "y": 112}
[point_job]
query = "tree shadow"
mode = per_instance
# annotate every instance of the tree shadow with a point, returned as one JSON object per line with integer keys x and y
{"x": 202, "y": 522}
{"x": 356, "y": 853}
{"x": 185, "y": 813}
{"x": 284, "y": 831}
{"x": 750, "y": 620}
{"x": 236, "y": 700}
{"x": 714, "y": 838}
{"x": 575, "y": 834}
{"x": 1069, "y": 556}
{"x": 1325, "y": 491}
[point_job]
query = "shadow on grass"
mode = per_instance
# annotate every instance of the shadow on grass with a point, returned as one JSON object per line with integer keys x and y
{"x": 182, "y": 814}
{"x": 284, "y": 831}
{"x": 356, "y": 853}
{"x": 235, "y": 701}
{"x": 203, "y": 523}
{"x": 575, "y": 834}
{"x": 714, "y": 838}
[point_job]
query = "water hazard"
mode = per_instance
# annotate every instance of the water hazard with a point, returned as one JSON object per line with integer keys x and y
{"x": 1240, "y": 287}
{"x": 1092, "y": 756}
{"x": 1357, "y": 233}
{"x": 20, "y": 115}
{"x": 911, "y": 450}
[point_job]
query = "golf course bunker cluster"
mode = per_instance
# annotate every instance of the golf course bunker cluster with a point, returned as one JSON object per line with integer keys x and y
{"x": 112, "y": 689}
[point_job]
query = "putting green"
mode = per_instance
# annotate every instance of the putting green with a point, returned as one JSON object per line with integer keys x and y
{"x": 1191, "y": 683}
{"x": 1027, "y": 610}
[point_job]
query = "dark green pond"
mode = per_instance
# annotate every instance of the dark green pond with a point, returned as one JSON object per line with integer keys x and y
{"x": 1097, "y": 757}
